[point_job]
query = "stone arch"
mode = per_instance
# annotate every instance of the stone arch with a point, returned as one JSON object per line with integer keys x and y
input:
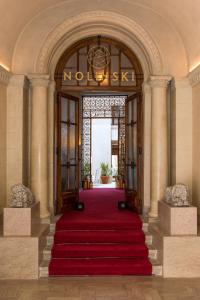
{"x": 93, "y": 23}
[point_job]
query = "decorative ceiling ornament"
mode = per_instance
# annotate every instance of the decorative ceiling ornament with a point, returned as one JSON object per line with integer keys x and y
{"x": 99, "y": 59}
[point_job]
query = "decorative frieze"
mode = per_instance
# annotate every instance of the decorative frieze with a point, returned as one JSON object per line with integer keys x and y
{"x": 194, "y": 76}
{"x": 4, "y": 75}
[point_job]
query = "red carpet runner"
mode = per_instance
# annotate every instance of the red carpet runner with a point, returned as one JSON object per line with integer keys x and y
{"x": 101, "y": 240}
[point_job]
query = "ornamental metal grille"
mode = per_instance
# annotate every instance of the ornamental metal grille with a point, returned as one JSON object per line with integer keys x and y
{"x": 100, "y": 107}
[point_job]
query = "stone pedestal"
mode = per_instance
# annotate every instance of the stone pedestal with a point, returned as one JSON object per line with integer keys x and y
{"x": 177, "y": 220}
{"x": 21, "y": 221}
{"x": 21, "y": 256}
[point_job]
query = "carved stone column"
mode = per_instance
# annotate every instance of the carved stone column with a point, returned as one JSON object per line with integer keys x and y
{"x": 159, "y": 141}
{"x": 39, "y": 142}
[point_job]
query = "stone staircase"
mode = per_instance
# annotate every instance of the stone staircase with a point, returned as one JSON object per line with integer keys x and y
{"x": 154, "y": 254}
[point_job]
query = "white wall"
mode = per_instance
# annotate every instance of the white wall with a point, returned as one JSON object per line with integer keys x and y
{"x": 101, "y": 144}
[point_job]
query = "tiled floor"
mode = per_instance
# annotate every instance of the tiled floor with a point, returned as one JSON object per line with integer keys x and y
{"x": 101, "y": 288}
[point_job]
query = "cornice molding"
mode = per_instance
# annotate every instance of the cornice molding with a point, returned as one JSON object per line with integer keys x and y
{"x": 4, "y": 75}
{"x": 194, "y": 76}
{"x": 39, "y": 80}
{"x": 93, "y": 19}
{"x": 159, "y": 81}
{"x": 19, "y": 80}
{"x": 180, "y": 83}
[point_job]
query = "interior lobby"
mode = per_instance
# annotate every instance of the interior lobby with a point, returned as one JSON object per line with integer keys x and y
{"x": 99, "y": 128}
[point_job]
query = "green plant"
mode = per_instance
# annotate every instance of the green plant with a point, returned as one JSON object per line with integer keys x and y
{"x": 86, "y": 171}
{"x": 105, "y": 170}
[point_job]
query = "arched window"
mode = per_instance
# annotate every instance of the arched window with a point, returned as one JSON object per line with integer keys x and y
{"x": 98, "y": 62}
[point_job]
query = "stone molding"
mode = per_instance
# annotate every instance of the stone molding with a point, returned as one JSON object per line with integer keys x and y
{"x": 106, "y": 19}
{"x": 52, "y": 85}
{"x": 39, "y": 80}
{"x": 194, "y": 76}
{"x": 180, "y": 82}
{"x": 18, "y": 80}
{"x": 159, "y": 81}
{"x": 4, "y": 75}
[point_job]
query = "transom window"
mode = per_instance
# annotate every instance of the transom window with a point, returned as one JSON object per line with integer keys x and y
{"x": 99, "y": 62}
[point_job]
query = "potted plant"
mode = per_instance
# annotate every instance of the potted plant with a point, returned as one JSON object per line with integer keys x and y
{"x": 86, "y": 176}
{"x": 119, "y": 181}
{"x": 105, "y": 173}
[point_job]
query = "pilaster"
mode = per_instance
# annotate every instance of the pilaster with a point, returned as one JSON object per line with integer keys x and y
{"x": 17, "y": 130}
{"x": 39, "y": 141}
{"x": 159, "y": 141}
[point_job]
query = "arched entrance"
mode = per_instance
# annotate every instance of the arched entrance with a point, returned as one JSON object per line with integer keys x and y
{"x": 95, "y": 66}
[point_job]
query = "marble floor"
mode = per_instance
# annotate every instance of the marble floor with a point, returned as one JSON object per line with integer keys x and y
{"x": 101, "y": 288}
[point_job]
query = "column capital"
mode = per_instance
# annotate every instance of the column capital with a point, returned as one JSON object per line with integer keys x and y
{"x": 180, "y": 82}
{"x": 19, "y": 80}
{"x": 194, "y": 76}
{"x": 4, "y": 75}
{"x": 159, "y": 80}
{"x": 40, "y": 80}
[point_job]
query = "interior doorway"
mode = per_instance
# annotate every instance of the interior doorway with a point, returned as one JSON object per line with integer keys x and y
{"x": 103, "y": 139}
{"x": 99, "y": 88}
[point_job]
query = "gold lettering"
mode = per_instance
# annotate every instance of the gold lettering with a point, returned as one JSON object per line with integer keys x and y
{"x": 67, "y": 76}
{"x": 79, "y": 76}
{"x": 124, "y": 78}
{"x": 115, "y": 76}
{"x": 88, "y": 76}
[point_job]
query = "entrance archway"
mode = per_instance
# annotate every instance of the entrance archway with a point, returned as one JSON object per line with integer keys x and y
{"x": 97, "y": 65}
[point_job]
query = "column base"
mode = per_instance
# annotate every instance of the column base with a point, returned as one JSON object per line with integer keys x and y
{"x": 153, "y": 214}
{"x": 45, "y": 216}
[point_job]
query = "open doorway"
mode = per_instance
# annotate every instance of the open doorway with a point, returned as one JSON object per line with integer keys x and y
{"x": 103, "y": 140}
{"x": 99, "y": 98}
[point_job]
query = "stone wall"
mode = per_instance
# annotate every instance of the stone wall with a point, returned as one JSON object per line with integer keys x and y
{"x": 4, "y": 77}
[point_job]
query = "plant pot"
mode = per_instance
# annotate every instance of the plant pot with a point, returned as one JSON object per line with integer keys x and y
{"x": 86, "y": 184}
{"x": 105, "y": 179}
{"x": 120, "y": 184}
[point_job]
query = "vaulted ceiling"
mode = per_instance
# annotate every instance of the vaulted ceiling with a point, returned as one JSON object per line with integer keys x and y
{"x": 174, "y": 25}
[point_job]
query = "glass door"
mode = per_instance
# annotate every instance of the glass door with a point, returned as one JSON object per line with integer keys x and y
{"x": 134, "y": 149}
{"x": 67, "y": 152}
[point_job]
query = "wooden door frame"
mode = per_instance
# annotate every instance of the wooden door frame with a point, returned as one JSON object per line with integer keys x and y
{"x": 141, "y": 140}
{"x": 58, "y": 146}
{"x": 100, "y": 88}
{"x": 140, "y": 148}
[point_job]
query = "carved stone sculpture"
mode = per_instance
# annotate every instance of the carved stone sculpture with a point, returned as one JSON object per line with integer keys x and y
{"x": 21, "y": 196}
{"x": 177, "y": 195}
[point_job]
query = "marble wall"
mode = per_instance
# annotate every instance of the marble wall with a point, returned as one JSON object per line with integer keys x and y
{"x": 181, "y": 132}
{"x": 4, "y": 77}
{"x": 196, "y": 146}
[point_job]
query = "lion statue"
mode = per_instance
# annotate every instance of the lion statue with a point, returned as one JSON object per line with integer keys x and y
{"x": 21, "y": 196}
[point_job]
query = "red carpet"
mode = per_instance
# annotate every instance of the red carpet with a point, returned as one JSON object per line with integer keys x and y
{"x": 101, "y": 240}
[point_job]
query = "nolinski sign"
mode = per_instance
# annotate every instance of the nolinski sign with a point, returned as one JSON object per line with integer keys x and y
{"x": 99, "y": 76}
{"x": 99, "y": 58}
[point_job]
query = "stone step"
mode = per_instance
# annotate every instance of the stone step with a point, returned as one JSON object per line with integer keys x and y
{"x": 157, "y": 269}
{"x": 47, "y": 253}
{"x": 44, "y": 269}
{"x": 148, "y": 239}
{"x": 145, "y": 226}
